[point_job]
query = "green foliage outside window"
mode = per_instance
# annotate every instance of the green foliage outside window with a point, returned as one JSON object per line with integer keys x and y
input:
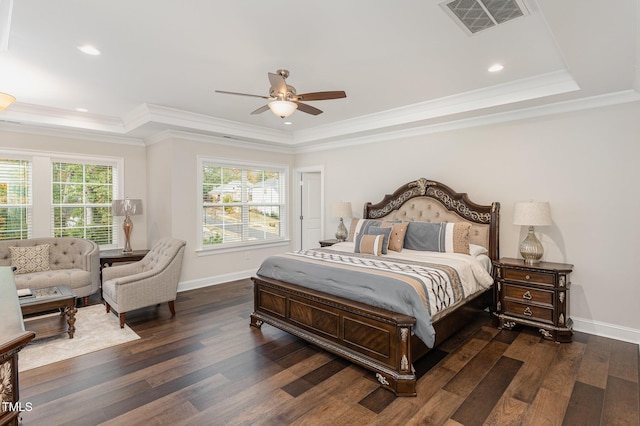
{"x": 82, "y": 195}
{"x": 15, "y": 199}
{"x": 241, "y": 205}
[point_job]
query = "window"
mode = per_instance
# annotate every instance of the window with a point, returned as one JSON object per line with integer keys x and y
{"x": 242, "y": 204}
{"x": 71, "y": 195}
{"x": 15, "y": 199}
{"x": 81, "y": 201}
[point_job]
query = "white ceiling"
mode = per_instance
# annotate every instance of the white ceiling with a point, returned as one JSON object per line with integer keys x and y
{"x": 405, "y": 65}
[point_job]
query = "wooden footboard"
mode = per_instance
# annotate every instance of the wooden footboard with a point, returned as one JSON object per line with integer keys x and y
{"x": 376, "y": 339}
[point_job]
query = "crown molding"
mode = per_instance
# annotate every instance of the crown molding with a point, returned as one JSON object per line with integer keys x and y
{"x": 226, "y": 141}
{"x": 146, "y": 114}
{"x": 531, "y": 88}
{"x": 599, "y": 101}
{"x": 69, "y": 133}
{"x": 151, "y": 124}
{"x": 42, "y": 116}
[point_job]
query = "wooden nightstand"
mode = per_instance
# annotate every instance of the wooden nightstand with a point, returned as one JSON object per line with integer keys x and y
{"x": 328, "y": 243}
{"x": 534, "y": 295}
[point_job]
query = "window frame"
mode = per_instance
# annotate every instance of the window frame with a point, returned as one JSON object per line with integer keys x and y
{"x": 85, "y": 204}
{"x": 42, "y": 186}
{"x": 28, "y": 206}
{"x": 284, "y": 204}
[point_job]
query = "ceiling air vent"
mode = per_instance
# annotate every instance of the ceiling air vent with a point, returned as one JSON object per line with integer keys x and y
{"x": 477, "y": 15}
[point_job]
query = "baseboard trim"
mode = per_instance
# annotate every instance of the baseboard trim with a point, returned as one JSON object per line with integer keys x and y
{"x": 215, "y": 280}
{"x": 603, "y": 329}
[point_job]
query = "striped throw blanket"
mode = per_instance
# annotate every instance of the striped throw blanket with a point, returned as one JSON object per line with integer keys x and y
{"x": 419, "y": 289}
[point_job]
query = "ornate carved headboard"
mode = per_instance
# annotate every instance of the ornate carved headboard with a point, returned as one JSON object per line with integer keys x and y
{"x": 430, "y": 201}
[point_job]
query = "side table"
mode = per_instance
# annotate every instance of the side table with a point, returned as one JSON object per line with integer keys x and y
{"x": 534, "y": 295}
{"x": 328, "y": 243}
{"x": 47, "y": 299}
{"x": 109, "y": 257}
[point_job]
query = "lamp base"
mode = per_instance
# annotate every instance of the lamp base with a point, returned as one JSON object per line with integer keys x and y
{"x": 342, "y": 233}
{"x": 531, "y": 248}
{"x": 127, "y": 227}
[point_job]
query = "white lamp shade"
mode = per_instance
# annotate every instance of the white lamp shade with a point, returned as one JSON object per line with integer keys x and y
{"x": 126, "y": 207}
{"x": 532, "y": 213}
{"x": 6, "y": 100}
{"x": 283, "y": 108}
{"x": 341, "y": 209}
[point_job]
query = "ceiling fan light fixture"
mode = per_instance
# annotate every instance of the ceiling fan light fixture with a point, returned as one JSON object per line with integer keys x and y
{"x": 283, "y": 109}
{"x": 6, "y": 100}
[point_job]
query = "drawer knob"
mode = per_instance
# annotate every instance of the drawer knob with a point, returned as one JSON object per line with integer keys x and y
{"x": 527, "y": 277}
{"x": 527, "y": 311}
{"x": 526, "y": 295}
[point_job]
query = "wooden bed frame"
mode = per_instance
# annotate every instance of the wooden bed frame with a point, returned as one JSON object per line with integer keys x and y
{"x": 377, "y": 339}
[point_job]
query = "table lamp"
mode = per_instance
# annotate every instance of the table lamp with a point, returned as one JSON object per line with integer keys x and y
{"x": 341, "y": 209}
{"x": 127, "y": 208}
{"x": 532, "y": 214}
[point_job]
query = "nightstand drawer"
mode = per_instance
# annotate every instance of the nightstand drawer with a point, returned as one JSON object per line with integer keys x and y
{"x": 528, "y": 294}
{"x": 525, "y": 310}
{"x": 529, "y": 276}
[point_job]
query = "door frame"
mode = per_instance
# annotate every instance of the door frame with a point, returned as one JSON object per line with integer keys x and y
{"x": 297, "y": 201}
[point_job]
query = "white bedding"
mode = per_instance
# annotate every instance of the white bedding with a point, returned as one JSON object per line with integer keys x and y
{"x": 479, "y": 266}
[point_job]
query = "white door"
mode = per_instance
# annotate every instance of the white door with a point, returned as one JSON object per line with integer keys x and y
{"x": 310, "y": 210}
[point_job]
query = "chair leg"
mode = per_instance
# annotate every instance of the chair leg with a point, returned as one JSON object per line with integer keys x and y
{"x": 172, "y": 308}
{"x": 122, "y": 319}
{"x": 85, "y": 300}
{"x": 108, "y": 307}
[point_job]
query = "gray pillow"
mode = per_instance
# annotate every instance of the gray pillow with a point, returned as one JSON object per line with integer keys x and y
{"x": 374, "y": 230}
{"x": 425, "y": 236}
{"x": 441, "y": 237}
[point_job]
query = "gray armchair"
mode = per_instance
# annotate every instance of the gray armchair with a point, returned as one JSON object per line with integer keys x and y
{"x": 150, "y": 281}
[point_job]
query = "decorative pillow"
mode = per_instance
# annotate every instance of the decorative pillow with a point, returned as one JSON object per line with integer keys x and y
{"x": 352, "y": 229}
{"x": 374, "y": 230}
{"x": 371, "y": 244}
{"x": 476, "y": 250}
{"x": 30, "y": 259}
{"x": 442, "y": 237}
{"x": 361, "y": 225}
{"x": 398, "y": 231}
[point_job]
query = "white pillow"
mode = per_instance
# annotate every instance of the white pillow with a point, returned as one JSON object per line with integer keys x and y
{"x": 476, "y": 250}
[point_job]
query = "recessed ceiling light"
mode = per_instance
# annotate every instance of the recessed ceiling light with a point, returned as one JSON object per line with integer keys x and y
{"x": 89, "y": 50}
{"x": 496, "y": 68}
{"x": 82, "y": 110}
{"x": 288, "y": 123}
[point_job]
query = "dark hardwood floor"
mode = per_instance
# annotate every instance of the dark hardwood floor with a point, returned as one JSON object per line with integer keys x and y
{"x": 207, "y": 366}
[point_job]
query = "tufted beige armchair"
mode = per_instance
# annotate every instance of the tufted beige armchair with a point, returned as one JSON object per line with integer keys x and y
{"x": 150, "y": 281}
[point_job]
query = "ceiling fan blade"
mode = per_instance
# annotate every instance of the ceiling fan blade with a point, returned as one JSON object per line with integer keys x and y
{"x": 261, "y": 109}
{"x": 320, "y": 96}
{"x": 241, "y": 94}
{"x": 308, "y": 109}
{"x": 278, "y": 85}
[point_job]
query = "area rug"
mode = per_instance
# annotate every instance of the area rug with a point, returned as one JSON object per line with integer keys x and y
{"x": 95, "y": 329}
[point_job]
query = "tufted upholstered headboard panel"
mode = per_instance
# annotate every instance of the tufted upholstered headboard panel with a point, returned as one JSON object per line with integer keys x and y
{"x": 430, "y": 201}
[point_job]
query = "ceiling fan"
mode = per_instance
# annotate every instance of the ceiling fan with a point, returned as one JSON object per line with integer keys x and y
{"x": 284, "y": 98}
